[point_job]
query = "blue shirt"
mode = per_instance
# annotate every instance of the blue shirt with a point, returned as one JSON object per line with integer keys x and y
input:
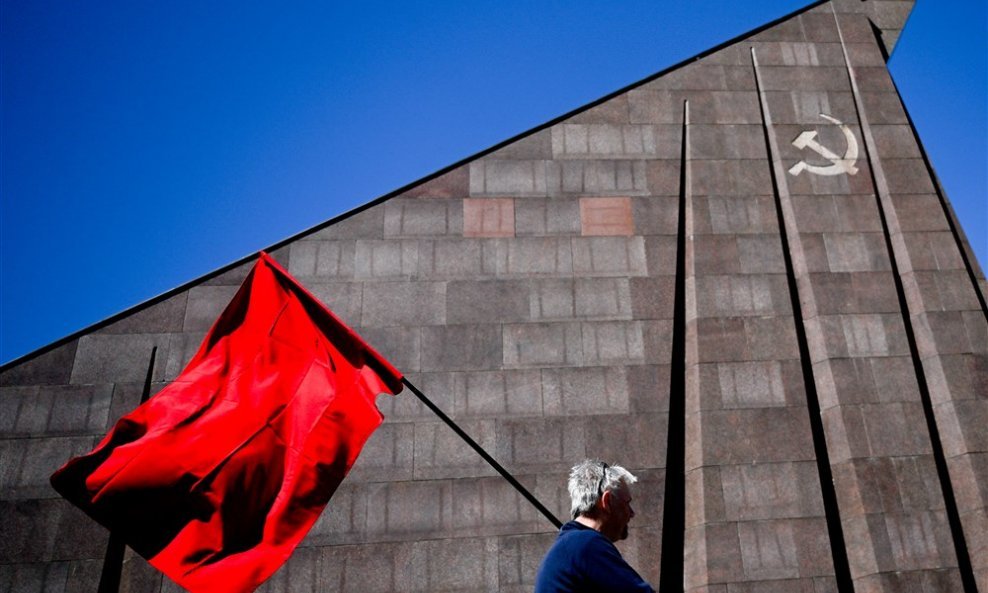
{"x": 583, "y": 561}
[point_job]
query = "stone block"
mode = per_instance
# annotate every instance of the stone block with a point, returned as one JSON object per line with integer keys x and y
{"x": 663, "y": 177}
{"x": 864, "y": 335}
{"x": 181, "y": 348}
{"x": 919, "y": 212}
{"x": 760, "y": 254}
{"x": 345, "y": 299}
{"x": 771, "y": 491}
{"x": 814, "y": 252}
{"x": 441, "y": 453}
{"x": 364, "y": 224}
{"x": 611, "y": 111}
{"x": 67, "y": 409}
{"x": 460, "y": 258}
{"x": 610, "y": 141}
{"x": 658, "y": 341}
{"x": 461, "y": 347}
{"x": 487, "y": 301}
{"x": 387, "y": 455}
{"x": 603, "y": 177}
{"x": 796, "y": 78}
{"x": 585, "y": 391}
{"x": 542, "y": 444}
{"x": 638, "y": 441}
{"x": 913, "y": 541}
{"x": 519, "y": 557}
{"x": 854, "y": 292}
{"x": 602, "y": 298}
{"x": 453, "y": 184}
{"x": 609, "y": 256}
{"x": 489, "y": 217}
{"x": 205, "y": 304}
{"x": 325, "y": 259}
{"x": 907, "y": 176}
{"x": 735, "y": 385}
{"x": 874, "y": 79}
{"x": 649, "y": 387}
{"x": 795, "y": 53}
{"x": 53, "y": 367}
{"x": 547, "y": 216}
{"x": 28, "y": 463}
{"x": 418, "y": 218}
{"x": 662, "y": 106}
{"x": 790, "y": 29}
{"x": 884, "y": 108}
{"x": 385, "y": 259}
{"x": 741, "y": 295}
{"x": 497, "y": 394}
{"x": 715, "y": 255}
{"x": 771, "y": 338}
{"x": 805, "y": 107}
{"x": 895, "y": 142}
{"x": 721, "y": 339}
{"x": 520, "y": 178}
{"x": 735, "y": 215}
{"x": 606, "y": 216}
{"x": 401, "y": 346}
{"x": 661, "y": 252}
{"x": 158, "y": 317}
{"x": 403, "y": 303}
{"x": 491, "y": 506}
{"x": 730, "y": 177}
{"x": 947, "y": 290}
{"x": 824, "y": 185}
{"x": 108, "y": 358}
{"x": 652, "y": 297}
{"x": 542, "y": 344}
{"x": 856, "y": 252}
{"x": 768, "y": 550}
{"x": 538, "y": 256}
{"x": 552, "y": 299}
{"x": 726, "y": 141}
{"x": 719, "y": 560}
{"x": 612, "y": 342}
{"x": 952, "y": 333}
{"x": 931, "y": 251}
{"x": 756, "y": 436}
{"x": 655, "y": 216}
{"x": 531, "y": 147}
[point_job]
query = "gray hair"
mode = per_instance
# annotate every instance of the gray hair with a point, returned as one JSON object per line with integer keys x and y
{"x": 589, "y": 479}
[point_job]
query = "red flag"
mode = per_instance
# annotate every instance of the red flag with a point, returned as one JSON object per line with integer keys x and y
{"x": 217, "y": 478}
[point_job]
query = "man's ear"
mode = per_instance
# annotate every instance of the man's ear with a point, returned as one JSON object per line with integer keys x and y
{"x": 606, "y": 500}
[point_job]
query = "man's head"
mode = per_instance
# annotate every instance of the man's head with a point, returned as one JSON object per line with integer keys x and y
{"x": 602, "y": 493}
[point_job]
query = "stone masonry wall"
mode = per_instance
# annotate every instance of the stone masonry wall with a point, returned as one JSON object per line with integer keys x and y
{"x": 826, "y": 414}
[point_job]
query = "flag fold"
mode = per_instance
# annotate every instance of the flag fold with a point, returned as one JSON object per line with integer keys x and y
{"x": 217, "y": 478}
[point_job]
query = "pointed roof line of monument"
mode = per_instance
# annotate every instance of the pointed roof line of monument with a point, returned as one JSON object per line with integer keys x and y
{"x": 887, "y": 31}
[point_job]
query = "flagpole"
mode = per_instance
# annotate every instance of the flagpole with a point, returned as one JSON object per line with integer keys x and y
{"x": 480, "y": 450}
{"x": 109, "y": 579}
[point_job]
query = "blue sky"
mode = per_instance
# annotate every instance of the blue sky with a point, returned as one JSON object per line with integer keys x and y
{"x": 145, "y": 144}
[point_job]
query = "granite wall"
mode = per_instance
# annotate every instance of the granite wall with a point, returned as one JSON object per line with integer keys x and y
{"x": 652, "y": 280}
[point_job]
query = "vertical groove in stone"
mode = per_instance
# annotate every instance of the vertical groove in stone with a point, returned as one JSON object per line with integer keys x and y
{"x": 796, "y": 272}
{"x": 113, "y": 558}
{"x": 674, "y": 502}
{"x": 948, "y": 212}
{"x": 897, "y": 255}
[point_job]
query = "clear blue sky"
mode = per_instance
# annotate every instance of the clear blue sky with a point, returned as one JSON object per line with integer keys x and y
{"x": 145, "y": 144}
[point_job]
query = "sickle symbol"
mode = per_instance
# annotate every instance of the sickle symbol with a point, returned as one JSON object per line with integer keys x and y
{"x": 840, "y": 165}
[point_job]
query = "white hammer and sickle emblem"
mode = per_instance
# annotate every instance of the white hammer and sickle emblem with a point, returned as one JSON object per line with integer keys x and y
{"x": 838, "y": 164}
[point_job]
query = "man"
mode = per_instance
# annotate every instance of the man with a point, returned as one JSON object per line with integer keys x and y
{"x": 584, "y": 558}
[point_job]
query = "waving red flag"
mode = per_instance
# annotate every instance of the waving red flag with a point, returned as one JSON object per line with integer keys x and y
{"x": 217, "y": 478}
